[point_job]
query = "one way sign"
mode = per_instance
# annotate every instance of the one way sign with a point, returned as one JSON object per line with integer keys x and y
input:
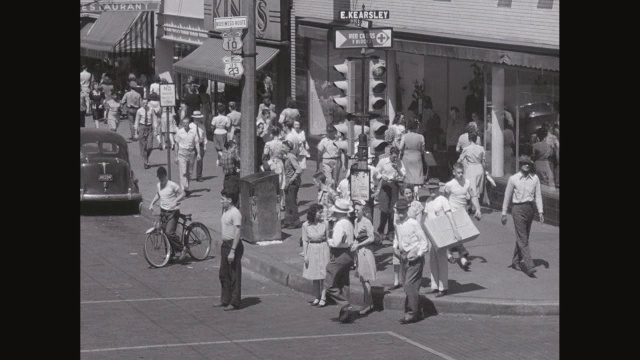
{"x": 359, "y": 38}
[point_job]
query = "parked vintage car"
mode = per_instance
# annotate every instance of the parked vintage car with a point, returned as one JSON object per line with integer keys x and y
{"x": 105, "y": 171}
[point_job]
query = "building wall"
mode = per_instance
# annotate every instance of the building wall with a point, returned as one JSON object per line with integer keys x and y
{"x": 522, "y": 22}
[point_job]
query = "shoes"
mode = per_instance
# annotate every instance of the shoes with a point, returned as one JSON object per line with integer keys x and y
{"x": 405, "y": 321}
{"x": 220, "y": 305}
{"x": 515, "y": 267}
{"x": 451, "y": 259}
{"x": 531, "y": 273}
{"x": 466, "y": 265}
{"x": 397, "y": 286}
{"x": 366, "y": 310}
{"x": 187, "y": 193}
{"x": 432, "y": 291}
{"x": 231, "y": 308}
{"x": 146, "y": 166}
{"x": 314, "y": 302}
{"x": 199, "y": 179}
{"x": 441, "y": 293}
{"x": 322, "y": 303}
{"x": 183, "y": 254}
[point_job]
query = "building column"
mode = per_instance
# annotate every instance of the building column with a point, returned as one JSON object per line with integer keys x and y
{"x": 391, "y": 84}
{"x": 164, "y": 56}
{"x": 497, "y": 121}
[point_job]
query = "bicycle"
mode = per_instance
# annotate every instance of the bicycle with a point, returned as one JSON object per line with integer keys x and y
{"x": 158, "y": 249}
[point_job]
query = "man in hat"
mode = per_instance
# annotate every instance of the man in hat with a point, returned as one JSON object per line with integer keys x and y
{"x": 131, "y": 101}
{"x": 336, "y": 281}
{"x": 522, "y": 191}
{"x": 410, "y": 244}
{"x": 201, "y": 137}
{"x": 187, "y": 148}
{"x": 143, "y": 126}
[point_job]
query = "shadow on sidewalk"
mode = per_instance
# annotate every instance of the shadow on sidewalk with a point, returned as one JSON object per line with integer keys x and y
{"x": 250, "y": 301}
{"x": 540, "y": 262}
{"x": 457, "y": 288}
{"x": 383, "y": 261}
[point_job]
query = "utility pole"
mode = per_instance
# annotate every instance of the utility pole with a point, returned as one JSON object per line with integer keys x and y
{"x": 248, "y": 85}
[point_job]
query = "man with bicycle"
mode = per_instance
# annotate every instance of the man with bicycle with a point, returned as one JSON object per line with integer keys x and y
{"x": 170, "y": 194}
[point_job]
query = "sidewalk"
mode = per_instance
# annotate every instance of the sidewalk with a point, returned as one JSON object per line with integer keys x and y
{"x": 489, "y": 288}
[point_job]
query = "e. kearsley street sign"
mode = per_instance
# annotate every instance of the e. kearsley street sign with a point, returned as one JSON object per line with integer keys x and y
{"x": 359, "y": 38}
{"x": 365, "y": 15}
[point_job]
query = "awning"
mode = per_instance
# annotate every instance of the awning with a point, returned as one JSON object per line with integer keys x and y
{"x": 206, "y": 61}
{"x": 311, "y": 32}
{"x": 85, "y": 29}
{"x": 118, "y": 32}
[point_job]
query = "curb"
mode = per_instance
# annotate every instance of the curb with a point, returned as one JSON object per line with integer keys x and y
{"x": 281, "y": 273}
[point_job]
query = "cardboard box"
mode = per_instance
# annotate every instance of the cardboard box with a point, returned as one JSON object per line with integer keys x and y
{"x": 440, "y": 233}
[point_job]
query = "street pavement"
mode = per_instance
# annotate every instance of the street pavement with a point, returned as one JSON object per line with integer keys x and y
{"x": 129, "y": 310}
{"x": 491, "y": 287}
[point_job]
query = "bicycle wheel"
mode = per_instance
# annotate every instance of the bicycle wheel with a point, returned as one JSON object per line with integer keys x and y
{"x": 157, "y": 250}
{"x": 198, "y": 241}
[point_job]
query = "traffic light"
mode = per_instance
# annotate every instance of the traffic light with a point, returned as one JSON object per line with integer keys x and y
{"x": 348, "y": 86}
{"x": 377, "y": 84}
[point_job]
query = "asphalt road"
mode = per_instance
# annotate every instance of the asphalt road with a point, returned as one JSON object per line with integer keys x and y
{"x": 131, "y": 311}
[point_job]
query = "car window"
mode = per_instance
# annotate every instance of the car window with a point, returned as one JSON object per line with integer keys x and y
{"x": 109, "y": 148}
{"x": 100, "y": 148}
{"x": 89, "y": 148}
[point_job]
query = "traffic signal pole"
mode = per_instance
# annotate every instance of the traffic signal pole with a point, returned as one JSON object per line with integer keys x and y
{"x": 248, "y": 84}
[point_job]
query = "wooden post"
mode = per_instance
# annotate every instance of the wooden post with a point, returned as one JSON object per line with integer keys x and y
{"x": 168, "y": 147}
{"x": 248, "y": 85}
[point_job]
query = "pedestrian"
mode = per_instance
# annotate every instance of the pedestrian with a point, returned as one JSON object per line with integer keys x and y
{"x": 455, "y": 128}
{"x": 234, "y": 119}
{"x": 231, "y": 251}
{"x": 85, "y": 78}
{"x": 221, "y": 125}
{"x": 410, "y": 244}
{"x": 85, "y": 105}
{"x": 464, "y": 140}
{"x": 266, "y": 104}
{"x": 290, "y": 112}
{"x": 167, "y": 134}
{"x": 230, "y": 168}
{"x": 438, "y": 205}
{"x": 143, "y": 126}
{"x": 186, "y": 152}
{"x": 107, "y": 87}
{"x": 432, "y": 130}
{"x": 170, "y": 194}
{"x": 316, "y": 252}
{"x": 330, "y": 157}
{"x": 472, "y": 158}
{"x": 113, "y": 112}
{"x": 131, "y": 101}
{"x": 412, "y": 149}
{"x": 98, "y": 99}
{"x": 154, "y": 88}
{"x": 291, "y": 136}
{"x": 337, "y": 282}
{"x": 303, "y": 149}
{"x": 192, "y": 100}
{"x": 292, "y": 181}
{"x": 156, "y": 112}
{"x": 363, "y": 239}
{"x": 391, "y": 171}
{"x": 459, "y": 191}
{"x": 198, "y": 126}
{"x": 523, "y": 191}
{"x": 542, "y": 156}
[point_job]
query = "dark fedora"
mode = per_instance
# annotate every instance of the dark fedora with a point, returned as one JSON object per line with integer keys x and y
{"x": 402, "y": 204}
{"x": 525, "y": 159}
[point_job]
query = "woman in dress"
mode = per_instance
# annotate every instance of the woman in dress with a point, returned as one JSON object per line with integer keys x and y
{"x": 363, "y": 239}
{"x": 472, "y": 158}
{"x": 221, "y": 125}
{"x": 98, "y": 99}
{"x": 412, "y": 148}
{"x": 459, "y": 191}
{"x": 205, "y": 109}
{"x": 315, "y": 252}
{"x": 113, "y": 112}
{"x": 290, "y": 112}
{"x": 303, "y": 149}
{"x": 164, "y": 119}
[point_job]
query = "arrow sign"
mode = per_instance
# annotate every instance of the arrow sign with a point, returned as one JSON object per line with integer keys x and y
{"x": 359, "y": 38}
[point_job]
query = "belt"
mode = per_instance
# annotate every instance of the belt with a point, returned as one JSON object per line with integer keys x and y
{"x": 332, "y": 158}
{"x": 145, "y": 124}
{"x": 317, "y": 241}
{"x": 524, "y": 203}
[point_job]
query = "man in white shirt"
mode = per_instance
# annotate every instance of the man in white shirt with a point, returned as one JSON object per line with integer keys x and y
{"x": 523, "y": 192}
{"x": 85, "y": 78}
{"x": 170, "y": 194}
{"x": 234, "y": 117}
{"x": 143, "y": 126}
{"x": 198, "y": 126}
{"x": 410, "y": 244}
{"x": 131, "y": 101}
{"x": 391, "y": 172}
{"x": 186, "y": 147}
{"x": 336, "y": 282}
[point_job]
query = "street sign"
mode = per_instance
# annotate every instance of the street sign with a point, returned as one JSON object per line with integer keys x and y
{"x": 233, "y": 65}
{"x": 359, "y": 38}
{"x": 232, "y": 40}
{"x": 226, "y": 23}
{"x": 167, "y": 94}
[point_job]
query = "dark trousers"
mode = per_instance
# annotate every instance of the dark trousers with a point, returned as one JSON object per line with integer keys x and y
{"x": 412, "y": 275}
{"x": 388, "y": 196}
{"x": 146, "y": 141}
{"x": 522, "y": 218}
{"x": 197, "y": 165}
{"x": 452, "y": 155}
{"x": 131, "y": 115}
{"x": 170, "y": 219}
{"x": 291, "y": 203}
{"x": 83, "y": 116}
{"x": 386, "y": 218}
{"x": 231, "y": 274}
{"x": 231, "y": 183}
{"x": 336, "y": 281}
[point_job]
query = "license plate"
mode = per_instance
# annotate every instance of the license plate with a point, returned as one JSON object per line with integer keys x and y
{"x": 106, "y": 177}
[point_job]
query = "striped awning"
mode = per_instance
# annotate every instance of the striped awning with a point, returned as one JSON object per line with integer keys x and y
{"x": 118, "y": 32}
{"x": 206, "y": 61}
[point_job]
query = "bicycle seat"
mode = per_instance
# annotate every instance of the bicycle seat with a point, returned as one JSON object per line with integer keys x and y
{"x": 186, "y": 216}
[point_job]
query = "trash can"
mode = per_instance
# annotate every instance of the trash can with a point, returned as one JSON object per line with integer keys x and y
{"x": 260, "y": 207}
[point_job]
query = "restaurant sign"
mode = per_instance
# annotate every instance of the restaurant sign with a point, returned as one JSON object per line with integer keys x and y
{"x": 129, "y": 6}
